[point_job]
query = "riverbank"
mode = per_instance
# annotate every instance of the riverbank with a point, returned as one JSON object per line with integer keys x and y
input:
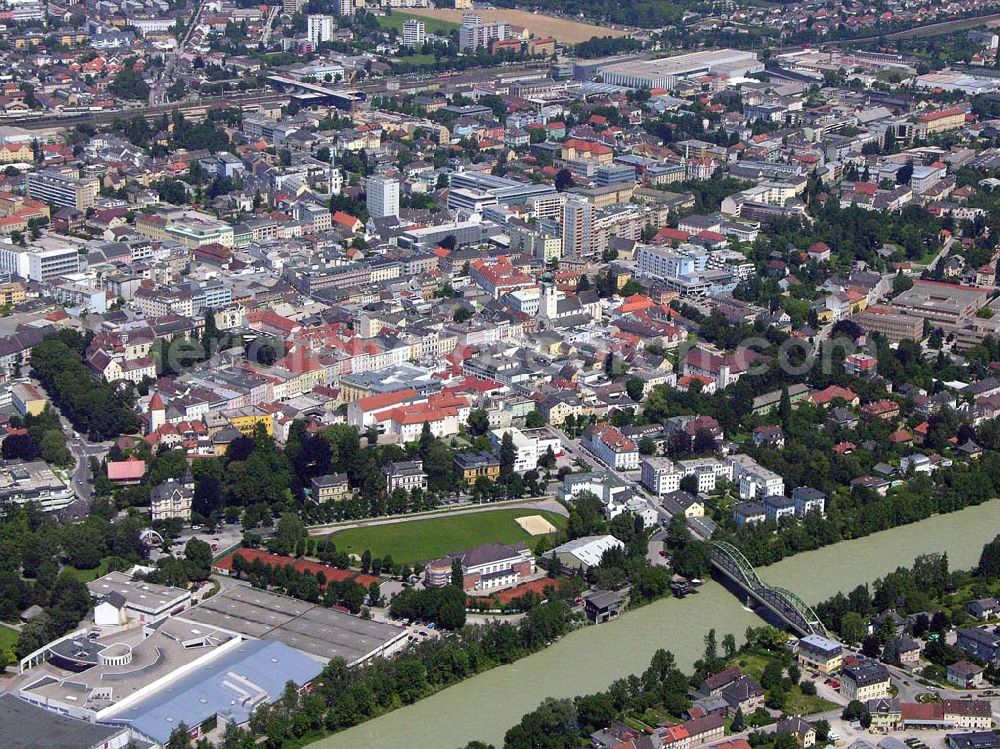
{"x": 485, "y": 706}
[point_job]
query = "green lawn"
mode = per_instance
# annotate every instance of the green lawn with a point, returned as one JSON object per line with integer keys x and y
{"x": 88, "y": 575}
{"x": 431, "y": 25}
{"x": 423, "y": 540}
{"x": 752, "y": 664}
{"x": 805, "y": 704}
{"x": 8, "y": 639}
{"x": 417, "y": 59}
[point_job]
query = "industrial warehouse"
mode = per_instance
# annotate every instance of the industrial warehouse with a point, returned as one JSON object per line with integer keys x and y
{"x": 666, "y": 72}
{"x": 320, "y": 632}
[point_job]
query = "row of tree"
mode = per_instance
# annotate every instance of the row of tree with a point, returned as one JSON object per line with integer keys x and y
{"x": 96, "y": 408}
{"x": 305, "y": 585}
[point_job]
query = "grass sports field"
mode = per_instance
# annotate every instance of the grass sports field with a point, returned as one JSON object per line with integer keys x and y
{"x": 563, "y": 29}
{"x": 439, "y": 26}
{"x": 423, "y": 540}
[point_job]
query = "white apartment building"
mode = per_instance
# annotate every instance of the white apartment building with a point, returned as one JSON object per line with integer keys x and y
{"x": 530, "y": 444}
{"x": 666, "y": 262}
{"x": 382, "y": 197}
{"x": 39, "y": 263}
{"x": 414, "y": 33}
{"x": 63, "y": 190}
{"x": 578, "y": 227}
{"x": 473, "y": 34}
{"x": 755, "y": 480}
{"x": 547, "y": 206}
{"x": 707, "y": 470}
{"x": 660, "y": 475}
{"x": 611, "y": 447}
{"x": 319, "y": 28}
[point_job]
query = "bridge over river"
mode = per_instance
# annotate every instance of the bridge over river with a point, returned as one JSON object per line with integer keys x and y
{"x": 587, "y": 660}
{"x": 783, "y": 603}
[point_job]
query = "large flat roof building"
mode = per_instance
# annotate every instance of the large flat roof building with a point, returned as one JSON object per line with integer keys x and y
{"x": 144, "y": 602}
{"x": 229, "y": 687}
{"x": 941, "y": 303}
{"x": 89, "y": 679}
{"x": 34, "y": 481}
{"x": 321, "y": 633}
{"x": 667, "y": 71}
{"x": 63, "y": 190}
{"x": 891, "y": 322}
{"x": 506, "y": 191}
{"x": 44, "y": 260}
{"x": 26, "y": 726}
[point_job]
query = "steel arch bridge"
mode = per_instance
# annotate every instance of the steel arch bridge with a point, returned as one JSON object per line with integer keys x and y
{"x": 785, "y": 604}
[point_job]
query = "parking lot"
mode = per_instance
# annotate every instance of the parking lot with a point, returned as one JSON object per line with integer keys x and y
{"x": 225, "y": 537}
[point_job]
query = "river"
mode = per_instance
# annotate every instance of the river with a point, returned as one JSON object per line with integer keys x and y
{"x": 485, "y": 706}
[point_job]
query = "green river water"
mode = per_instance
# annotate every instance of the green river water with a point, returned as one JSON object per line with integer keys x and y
{"x": 485, "y": 706}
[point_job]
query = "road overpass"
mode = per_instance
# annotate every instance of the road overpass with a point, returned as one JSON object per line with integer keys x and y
{"x": 784, "y": 604}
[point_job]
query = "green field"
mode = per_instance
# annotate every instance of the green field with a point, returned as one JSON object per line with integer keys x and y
{"x": 417, "y": 59}
{"x": 423, "y": 540}
{"x": 8, "y": 639}
{"x": 431, "y": 25}
{"x": 88, "y": 575}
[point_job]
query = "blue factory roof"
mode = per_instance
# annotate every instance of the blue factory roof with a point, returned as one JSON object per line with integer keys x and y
{"x": 233, "y": 685}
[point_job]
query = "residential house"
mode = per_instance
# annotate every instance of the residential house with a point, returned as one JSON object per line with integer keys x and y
{"x": 332, "y": 487}
{"x": 864, "y": 680}
{"x": 171, "y": 499}
{"x": 907, "y": 650}
{"x": 886, "y": 714}
{"x": 743, "y": 694}
{"x": 821, "y": 654}
{"x": 804, "y": 733}
{"x": 808, "y": 500}
{"x": 778, "y": 508}
{"x": 965, "y": 675}
{"x": 748, "y": 513}
{"x": 406, "y": 475}
{"x": 983, "y": 608}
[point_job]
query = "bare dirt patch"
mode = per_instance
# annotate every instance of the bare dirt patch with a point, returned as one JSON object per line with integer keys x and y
{"x": 536, "y": 525}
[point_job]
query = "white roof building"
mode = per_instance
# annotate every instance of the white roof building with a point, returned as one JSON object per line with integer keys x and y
{"x": 586, "y": 551}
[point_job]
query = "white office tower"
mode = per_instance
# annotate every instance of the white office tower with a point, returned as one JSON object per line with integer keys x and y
{"x": 578, "y": 226}
{"x": 414, "y": 33}
{"x": 345, "y": 7}
{"x": 320, "y": 28}
{"x": 382, "y": 197}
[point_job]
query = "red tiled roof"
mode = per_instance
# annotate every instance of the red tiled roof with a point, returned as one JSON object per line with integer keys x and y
{"x": 130, "y": 469}
{"x": 827, "y": 394}
{"x": 932, "y": 116}
{"x": 930, "y": 711}
{"x": 385, "y": 400}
